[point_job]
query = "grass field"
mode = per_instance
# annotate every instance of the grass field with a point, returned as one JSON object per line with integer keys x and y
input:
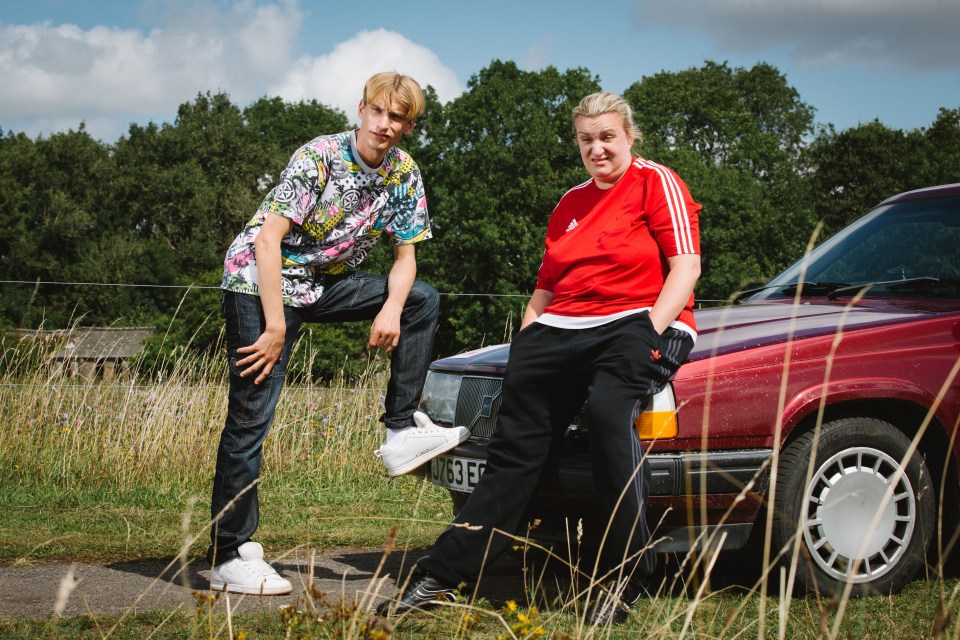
{"x": 121, "y": 470}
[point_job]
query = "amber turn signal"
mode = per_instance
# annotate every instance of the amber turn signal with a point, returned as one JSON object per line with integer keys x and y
{"x": 659, "y": 420}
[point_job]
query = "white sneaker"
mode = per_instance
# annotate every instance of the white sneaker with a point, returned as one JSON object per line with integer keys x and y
{"x": 249, "y": 574}
{"x": 413, "y": 446}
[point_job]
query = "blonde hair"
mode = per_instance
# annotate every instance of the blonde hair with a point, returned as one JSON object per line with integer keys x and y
{"x": 388, "y": 86}
{"x": 597, "y": 104}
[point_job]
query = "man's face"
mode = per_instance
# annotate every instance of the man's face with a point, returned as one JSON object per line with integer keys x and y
{"x": 604, "y": 147}
{"x": 380, "y": 129}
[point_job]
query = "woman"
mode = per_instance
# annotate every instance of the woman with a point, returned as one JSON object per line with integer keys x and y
{"x": 610, "y": 321}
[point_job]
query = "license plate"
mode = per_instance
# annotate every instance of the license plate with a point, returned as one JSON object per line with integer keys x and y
{"x": 454, "y": 472}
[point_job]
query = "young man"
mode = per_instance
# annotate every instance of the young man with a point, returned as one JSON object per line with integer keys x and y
{"x": 292, "y": 264}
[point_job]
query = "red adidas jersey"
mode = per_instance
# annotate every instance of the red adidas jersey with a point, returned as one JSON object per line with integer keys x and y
{"x": 606, "y": 249}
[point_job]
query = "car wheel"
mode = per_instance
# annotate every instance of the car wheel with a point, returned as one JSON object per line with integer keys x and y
{"x": 860, "y": 518}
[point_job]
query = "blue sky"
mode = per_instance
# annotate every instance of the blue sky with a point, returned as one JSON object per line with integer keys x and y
{"x": 108, "y": 63}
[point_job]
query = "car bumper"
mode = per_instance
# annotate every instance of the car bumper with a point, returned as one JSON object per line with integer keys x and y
{"x": 695, "y": 498}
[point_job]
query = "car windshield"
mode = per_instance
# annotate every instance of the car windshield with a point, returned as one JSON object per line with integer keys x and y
{"x": 909, "y": 248}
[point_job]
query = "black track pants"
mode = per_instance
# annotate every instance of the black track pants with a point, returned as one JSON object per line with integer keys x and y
{"x": 611, "y": 371}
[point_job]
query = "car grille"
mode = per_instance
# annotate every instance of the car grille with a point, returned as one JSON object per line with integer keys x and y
{"x": 478, "y": 404}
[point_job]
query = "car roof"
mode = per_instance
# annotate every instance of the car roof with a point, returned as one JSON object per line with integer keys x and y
{"x": 928, "y": 192}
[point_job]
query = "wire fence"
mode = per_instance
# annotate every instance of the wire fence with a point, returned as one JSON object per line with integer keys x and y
{"x": 132, "y": 387}
{"x": 700, "y": 303}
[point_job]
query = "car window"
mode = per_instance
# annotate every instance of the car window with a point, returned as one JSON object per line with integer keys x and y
{"x": 901, "y": 241}
{"x": 914, "y": 247}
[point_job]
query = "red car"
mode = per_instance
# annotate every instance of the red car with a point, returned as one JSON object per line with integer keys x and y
{"x": 823, "y": 406}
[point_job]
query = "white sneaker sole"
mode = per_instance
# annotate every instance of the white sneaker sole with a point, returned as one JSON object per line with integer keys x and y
{"x": 424, "y": 457}
{"x": 236, "y": 588}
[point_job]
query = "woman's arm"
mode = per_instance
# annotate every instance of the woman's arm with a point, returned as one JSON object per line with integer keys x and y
{"x": 539, "y": 301}
{"x": 683, "y": 275}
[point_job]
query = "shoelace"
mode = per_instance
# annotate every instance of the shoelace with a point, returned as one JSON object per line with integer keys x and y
{"x": 432, "y": 428}
{"x": 258, "y": 567}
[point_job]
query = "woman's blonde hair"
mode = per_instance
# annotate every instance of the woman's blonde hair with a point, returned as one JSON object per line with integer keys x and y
{"x": 597, "y": 104}
{"x": 387, "y": 86}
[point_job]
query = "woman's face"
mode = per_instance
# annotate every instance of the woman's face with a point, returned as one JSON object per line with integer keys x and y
{"x": 604, "y": 147}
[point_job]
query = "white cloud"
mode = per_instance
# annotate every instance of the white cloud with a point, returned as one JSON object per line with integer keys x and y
{"x": 920, "y": 34}
{"x": 57, "y": 76}
{"x": 538, "y": 54}
{"x": 337, "y": 78}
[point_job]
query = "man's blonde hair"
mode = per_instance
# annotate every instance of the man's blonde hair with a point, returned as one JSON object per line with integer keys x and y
{"x": 387, "y": 86}
{"x": 597, "y": 104}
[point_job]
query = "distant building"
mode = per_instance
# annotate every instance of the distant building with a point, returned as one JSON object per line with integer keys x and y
{"x": 94, "y": 353}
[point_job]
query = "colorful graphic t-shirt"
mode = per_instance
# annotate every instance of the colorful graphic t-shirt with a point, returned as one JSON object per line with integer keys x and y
{"x": 339, "y": 207}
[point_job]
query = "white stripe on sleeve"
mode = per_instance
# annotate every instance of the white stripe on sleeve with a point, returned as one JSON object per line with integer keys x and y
{"x": 676, "y": 203}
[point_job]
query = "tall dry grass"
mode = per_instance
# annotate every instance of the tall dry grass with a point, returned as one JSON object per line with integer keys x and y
{"x": 121, "y": 434}
{"x": 135, "y": 429}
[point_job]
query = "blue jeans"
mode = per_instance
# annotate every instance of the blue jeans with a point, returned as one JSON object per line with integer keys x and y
{"x": 355, "y": 296}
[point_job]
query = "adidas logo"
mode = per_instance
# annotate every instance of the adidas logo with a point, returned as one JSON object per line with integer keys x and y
{"x": 573, "y": 225}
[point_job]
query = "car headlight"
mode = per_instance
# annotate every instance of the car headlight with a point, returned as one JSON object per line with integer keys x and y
{"x": 440, "y": 393}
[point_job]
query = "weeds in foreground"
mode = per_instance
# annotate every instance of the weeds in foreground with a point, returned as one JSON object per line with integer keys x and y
{"x": 71, "y": 435}
{"x": 729, "y": 612}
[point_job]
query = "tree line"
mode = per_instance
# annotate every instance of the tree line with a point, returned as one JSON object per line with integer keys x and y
{"x": 160, "y": 206}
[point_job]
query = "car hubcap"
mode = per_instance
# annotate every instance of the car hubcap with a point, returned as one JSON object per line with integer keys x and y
{"x": 858, "y": 515}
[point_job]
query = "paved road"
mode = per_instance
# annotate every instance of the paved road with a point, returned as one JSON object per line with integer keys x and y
{"x": 166, "y": 585}
{"x": 354, "y": 575}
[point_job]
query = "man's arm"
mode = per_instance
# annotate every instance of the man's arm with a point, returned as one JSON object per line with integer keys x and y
{"x": 684, "y": 273}
{"x": 385, "y": 331}
{"x": 263, "y": 354}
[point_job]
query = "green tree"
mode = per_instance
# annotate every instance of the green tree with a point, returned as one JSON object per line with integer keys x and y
{"x": 19, "y": 159}
{"x": 53, "y": 192}
{"x": 942, "y": 149}
{"x": 855, "y": 169}
{"x": 498, "y": 162}
{"x": 286, "y": 126}
{"x": 735, "y": 136}
{"x": 190, "y": 186}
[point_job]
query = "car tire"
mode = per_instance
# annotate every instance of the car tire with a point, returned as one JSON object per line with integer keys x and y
{"x": 851, "y": 531}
